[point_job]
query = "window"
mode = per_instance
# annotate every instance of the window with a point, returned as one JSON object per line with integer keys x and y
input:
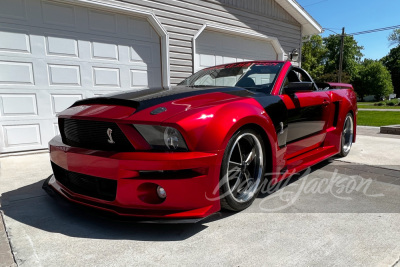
{"x": 256, "y": 76}
{"x": 297, "y": 75}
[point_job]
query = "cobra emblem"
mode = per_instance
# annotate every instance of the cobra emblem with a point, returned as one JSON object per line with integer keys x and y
{"x": 110, "y": 139}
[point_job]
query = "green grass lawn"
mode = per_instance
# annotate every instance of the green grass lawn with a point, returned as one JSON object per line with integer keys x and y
{"x": 378, "y": 107}
{"x": 366, "y": 103}
{"x": 378, "y": 118}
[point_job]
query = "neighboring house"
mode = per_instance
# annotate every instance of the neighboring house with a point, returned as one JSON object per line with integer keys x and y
{"x": 53, "y": 53}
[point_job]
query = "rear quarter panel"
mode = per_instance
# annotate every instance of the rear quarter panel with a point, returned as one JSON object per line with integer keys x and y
{"x": 345, "y": 101}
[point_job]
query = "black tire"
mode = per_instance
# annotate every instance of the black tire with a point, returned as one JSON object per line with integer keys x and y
{"x": 240, "y": 182}
{"x": 346, "y": 139}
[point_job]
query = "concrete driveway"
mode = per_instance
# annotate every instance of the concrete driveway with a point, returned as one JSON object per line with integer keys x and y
{"x": 340, "y": 213}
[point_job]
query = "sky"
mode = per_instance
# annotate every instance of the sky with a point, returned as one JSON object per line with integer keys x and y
{"x": 357, "y": 16}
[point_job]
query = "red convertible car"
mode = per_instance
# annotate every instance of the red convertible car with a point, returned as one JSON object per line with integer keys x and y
{"x": 203, "y": 145}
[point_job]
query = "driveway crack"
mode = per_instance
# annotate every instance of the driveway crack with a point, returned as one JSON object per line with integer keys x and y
{"x": 8, "y": 240}
{"x": 398, "y": 261}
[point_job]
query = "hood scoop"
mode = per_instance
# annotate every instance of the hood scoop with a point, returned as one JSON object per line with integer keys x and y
{"x": 158, "y": 110}
{"x": 107, "y": 101}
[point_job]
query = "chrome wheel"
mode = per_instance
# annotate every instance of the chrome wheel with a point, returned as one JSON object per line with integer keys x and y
{"x": 245, "y": 168}
{"x": 347, "y": 135}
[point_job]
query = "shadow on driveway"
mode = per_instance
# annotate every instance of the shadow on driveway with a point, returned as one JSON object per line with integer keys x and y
{"x": 32, "y": 206}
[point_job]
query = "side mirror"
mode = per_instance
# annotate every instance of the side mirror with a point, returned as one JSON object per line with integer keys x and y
{"x": 295, "y": 87}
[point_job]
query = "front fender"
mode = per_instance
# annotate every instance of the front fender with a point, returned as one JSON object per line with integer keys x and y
{"x": 209, "y": 129}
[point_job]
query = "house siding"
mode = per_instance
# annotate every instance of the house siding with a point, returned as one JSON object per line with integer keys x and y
{"x": 183, "y": 19}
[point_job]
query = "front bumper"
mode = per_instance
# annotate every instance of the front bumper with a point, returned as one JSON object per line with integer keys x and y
{"x": 189, "y": 179}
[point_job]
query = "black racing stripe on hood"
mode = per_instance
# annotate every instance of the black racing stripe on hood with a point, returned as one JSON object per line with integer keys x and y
{"x": 106, "y": 101}
{"x": 147, "y": 98}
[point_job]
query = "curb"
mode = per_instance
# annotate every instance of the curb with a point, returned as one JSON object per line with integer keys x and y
{"x": 390, "y": 129}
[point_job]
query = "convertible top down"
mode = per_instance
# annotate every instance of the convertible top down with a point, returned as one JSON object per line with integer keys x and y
{"x": 210, "y": 142}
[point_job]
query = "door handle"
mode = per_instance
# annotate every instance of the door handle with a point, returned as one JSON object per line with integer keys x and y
{"x": 325, "y": 103}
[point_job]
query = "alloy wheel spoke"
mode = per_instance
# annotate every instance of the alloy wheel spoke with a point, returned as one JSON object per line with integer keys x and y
{"x": 246, "y": 175}
{"x": 250, "y": 181}
{"x": 235, "y": 188}
{"x": 233, "y": 172}
{"x": 240, "y": 152}
{"x": 234, "y": 163}
{"x": 251, "y": 156}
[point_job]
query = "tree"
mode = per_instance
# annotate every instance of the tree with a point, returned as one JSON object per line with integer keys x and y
{"x": 333, "y": 77}
{"x": 313, "y": 54}
{"x": 351, "y": 54}
{"x": 392, "y": 63}
{"x": 373, "y": 79}
{"x": 394, "y": 37}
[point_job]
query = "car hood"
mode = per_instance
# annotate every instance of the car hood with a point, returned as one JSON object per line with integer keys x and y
{"x": 143, "y": 99}
{"x": 138, "y": 105}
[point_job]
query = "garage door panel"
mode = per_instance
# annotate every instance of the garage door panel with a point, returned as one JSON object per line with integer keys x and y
{"x": 144, "y": 53}
{"x": 61, "y": 46}
{"x": 18, "y": 104}
{"x": 86, "y": 21}
{"x": 58, "y": 14}
{"x": 207, "y": 60}
{"x": 66, "y": 75}
{"x": 12, "y": 40}
{"x": 141, "y": 53}
{"x": 102, "y": 21}
{"x": 12, "y": 73}
{"x": 213, "y": 48}
{"x": 59, "y": 53}
{"x": 109, "y": 77}
{"x": 13, "y": 9}
{"x": 61, "y": 102}
{"x": 140, "y": 27}
{"x": 139, "y": 78}
{"x": 22, "y": 135}
{"x": 154, "y": 76}
{"x": 104, "y": 51}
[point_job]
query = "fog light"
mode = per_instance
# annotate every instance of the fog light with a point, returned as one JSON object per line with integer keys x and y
{"x": 161, "y": 192}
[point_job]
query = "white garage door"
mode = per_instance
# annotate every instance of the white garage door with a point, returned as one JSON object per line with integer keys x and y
{"x": 52, "y": 54}
{"x": 214, "y": 48}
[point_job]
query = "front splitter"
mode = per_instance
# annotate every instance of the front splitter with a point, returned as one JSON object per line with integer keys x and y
{"x": 112, "y": 216}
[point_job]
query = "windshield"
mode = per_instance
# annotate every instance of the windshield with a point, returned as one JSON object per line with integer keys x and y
{"x": 255, "y": 76}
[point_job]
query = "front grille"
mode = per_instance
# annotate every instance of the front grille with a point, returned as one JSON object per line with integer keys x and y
{"x": 101, "y": 188}
{"x": 94, "y": 135}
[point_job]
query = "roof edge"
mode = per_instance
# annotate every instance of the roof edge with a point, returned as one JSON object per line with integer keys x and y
{"x": 309, "y": 25}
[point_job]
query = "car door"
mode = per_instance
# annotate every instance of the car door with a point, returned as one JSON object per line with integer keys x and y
{"x": 308, "y": 114}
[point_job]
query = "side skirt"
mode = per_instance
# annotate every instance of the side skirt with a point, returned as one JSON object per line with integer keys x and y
{"x": 303, "y": 161}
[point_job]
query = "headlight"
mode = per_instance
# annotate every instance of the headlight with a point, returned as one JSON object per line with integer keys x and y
{"x": 161, "y": 137}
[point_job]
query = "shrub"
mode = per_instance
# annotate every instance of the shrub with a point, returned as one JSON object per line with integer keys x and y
{"x": 390, "y": 103}
{"x": 393, "y": 102}
{"x": 379, "y": 104}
